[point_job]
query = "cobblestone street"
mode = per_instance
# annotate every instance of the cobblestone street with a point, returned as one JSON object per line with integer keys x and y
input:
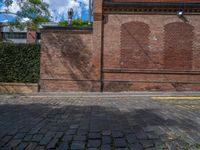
{"x": 99, "y": 123}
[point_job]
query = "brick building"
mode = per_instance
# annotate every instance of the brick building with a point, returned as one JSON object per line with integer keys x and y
{"x": 133, "y": 45}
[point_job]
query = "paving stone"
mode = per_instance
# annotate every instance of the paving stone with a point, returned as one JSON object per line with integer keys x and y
{"x": 67, "y": 138}
{"x": 94, "y": 143}
{"x": 27, "y": 138}
{"x": 82, "y": 132}
{"x": 94, "y": 135}
{"x": 59, "y": 135}
{"x": 94, "y": 130}
{"x": 40, "y": 148}
{"x": 5, "y": 148}
{"x": 63, "y": 146}
{"x": 117, "y": 134}
{"x": 14, "y": 143}
{"x": 13, "y": 132}
{"x": 152, "y": 136}
{"x": 119, "y": 143}
{"x": 171, "y": 146}
{"x": 136, "y": 146}
{"x": 152, "y": 148}
{"x": 45, "y": 140}
{"x": 106, "y": 140}
{"x": 105, "y": 147}
{"x": 133, "y": 119}
{"x": 71, "y": 132}
{"x": 79, "y": 138}
{"x": 6, "y": 139}
{"x": 92, "y": 149}
{"x": 141, "y": 136}
{"x": 37, "y": 138}
{"x": 182, "y": 143}
{"x": 19, "y": 136}
{"x": 31, "y": 146}
{"x": 131, "y": 138}
{"x": 106, "y": 133}
{"x": 75, "y": 126}
{"x": 76, "y": 145}
{"x": 22, "y": 146}
{"x": 147, "y": 143}
{"x": 52, "y": 143}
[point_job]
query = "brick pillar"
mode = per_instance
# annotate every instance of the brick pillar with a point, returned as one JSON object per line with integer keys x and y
{"x": 97, "y": 39}
{"x": 31, "y": 36}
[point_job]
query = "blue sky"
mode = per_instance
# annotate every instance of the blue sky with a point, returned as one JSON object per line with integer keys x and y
{"x": 58, "y": 9}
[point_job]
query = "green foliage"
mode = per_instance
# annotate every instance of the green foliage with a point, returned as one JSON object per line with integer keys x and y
{"x": 75, "y": 22}
{"x": 35, "y": 10}
{"x": 19, "y": 62}
{"x": 79, "y": 22}
{"x": 197, "y": 146}
{"x": 63, "y": 23}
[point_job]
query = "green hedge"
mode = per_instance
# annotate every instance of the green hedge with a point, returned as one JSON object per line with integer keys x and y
{"x": 19, "y": 62}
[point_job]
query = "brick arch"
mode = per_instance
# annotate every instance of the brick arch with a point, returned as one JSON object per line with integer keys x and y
{"x": 134, "y": 45}
{"x": 178, "y": 43}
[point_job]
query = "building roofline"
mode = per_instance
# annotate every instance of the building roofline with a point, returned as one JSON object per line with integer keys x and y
{"x": 151, "y": 4}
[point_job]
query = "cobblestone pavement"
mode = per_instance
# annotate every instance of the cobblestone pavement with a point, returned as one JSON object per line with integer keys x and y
{"x": 112, "y": 123}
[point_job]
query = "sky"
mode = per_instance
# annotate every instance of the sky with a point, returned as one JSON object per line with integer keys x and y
{"x": 57, "y": 8}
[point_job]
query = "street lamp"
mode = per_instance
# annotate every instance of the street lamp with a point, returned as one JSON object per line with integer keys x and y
{"x": 70, "y": 16}
{"x": 180, "y": 13}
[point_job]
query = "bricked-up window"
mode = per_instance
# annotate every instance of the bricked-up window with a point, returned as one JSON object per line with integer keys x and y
{"x": 134, "y": 45}
{"x": 178, "y": 46}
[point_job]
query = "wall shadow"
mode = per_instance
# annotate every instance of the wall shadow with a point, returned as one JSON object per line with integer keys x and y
{"x": 75, "y": 56}
{"x": 42, "y": 120}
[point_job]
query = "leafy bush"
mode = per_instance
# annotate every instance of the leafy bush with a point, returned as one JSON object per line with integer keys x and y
{"x": 76, "y": 23}
{"x": 19, "y": 62}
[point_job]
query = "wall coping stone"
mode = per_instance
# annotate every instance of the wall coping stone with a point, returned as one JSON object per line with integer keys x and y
{"x": 18, "y": 87}
{"x": 67, "y": 28}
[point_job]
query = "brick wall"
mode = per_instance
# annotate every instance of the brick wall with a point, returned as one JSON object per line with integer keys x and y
{"x": 123, "y": 52}
{"x": 31, "y": 36}
{"x": 67, "y": 62}
{"x": 71, "y": 59}
{"x": 151, "y": 52}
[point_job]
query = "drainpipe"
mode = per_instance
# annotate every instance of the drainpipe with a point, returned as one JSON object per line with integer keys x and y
{"x": 90, "y": 12}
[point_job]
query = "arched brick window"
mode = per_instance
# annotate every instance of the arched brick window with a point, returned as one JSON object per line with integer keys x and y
{"x": 178, "y": 53}
{"x": 134, "y": 45}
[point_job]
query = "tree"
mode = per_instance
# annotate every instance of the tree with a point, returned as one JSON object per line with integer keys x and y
{"x": 34, "y": 11}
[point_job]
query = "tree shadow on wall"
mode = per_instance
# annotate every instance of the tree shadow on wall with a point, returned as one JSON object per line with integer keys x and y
{"x": 135, "y": 126}
{"x": 76, "y": 56}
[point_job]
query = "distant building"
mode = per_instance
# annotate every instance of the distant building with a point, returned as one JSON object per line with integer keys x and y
{"x": 14, "y": 35}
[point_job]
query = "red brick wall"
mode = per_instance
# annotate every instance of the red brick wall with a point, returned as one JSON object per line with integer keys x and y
{"x": 71, "y": 59}
{"x": 31, "y": 37}
{"x": 178, "y": 46}
{"x": 171, "y": 1}
{"x": 124, "y": 52}
{"x": 134, "y": 45}
{"x": 151, "y": 52}
{"x": 67, "y": 62}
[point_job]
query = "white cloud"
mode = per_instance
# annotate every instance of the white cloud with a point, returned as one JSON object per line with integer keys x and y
{"x": 59, "y": 8}
{"x": 13, "y": 8}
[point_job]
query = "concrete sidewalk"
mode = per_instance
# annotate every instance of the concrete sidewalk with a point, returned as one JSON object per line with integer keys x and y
{"x": 105, "y": 94}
